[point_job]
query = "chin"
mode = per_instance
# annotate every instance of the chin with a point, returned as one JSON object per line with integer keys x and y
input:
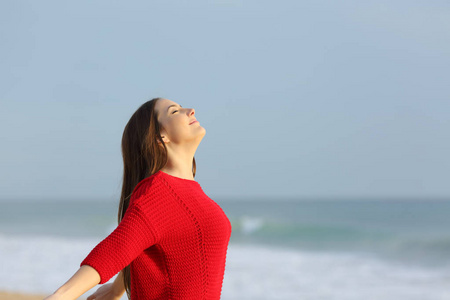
{"x": 201, "y": 133}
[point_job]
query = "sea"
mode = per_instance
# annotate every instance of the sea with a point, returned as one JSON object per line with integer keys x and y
{"x": 294, "y": 249}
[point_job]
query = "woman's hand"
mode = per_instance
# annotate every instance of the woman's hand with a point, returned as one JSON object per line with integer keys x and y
{"x": 105, "y": 292}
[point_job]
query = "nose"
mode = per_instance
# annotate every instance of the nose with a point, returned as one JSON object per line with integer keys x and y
{"x": 191, "y": 112}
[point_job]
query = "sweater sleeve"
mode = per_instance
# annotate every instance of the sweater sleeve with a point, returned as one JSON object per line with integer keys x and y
{"x": 131, "y": 237}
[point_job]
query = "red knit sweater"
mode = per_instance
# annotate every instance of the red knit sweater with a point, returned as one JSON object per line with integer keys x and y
{"x": 175, "y": 238}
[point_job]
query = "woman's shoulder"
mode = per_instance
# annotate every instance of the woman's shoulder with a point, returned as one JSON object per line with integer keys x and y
{"x": 150, "y": 185}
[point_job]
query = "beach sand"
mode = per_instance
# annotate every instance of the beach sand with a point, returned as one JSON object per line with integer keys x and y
{"x": 21, "y": 296}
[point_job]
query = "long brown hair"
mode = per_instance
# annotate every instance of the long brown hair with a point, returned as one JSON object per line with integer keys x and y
{"x": 142, "y": 157}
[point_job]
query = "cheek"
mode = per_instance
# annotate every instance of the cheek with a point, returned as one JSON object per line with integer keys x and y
{"x": 177, "y": 128}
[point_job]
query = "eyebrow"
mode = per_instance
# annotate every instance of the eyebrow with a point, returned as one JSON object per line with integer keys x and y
{"x": 171, "y": 106}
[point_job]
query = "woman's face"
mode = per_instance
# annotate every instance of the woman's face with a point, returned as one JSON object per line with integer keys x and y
{"x": 175, "y": 122}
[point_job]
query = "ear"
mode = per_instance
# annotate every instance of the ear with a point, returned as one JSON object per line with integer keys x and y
{"x": 165, "y": 140}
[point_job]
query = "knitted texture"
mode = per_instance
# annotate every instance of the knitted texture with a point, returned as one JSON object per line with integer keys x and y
{"x": 173, "y": 236}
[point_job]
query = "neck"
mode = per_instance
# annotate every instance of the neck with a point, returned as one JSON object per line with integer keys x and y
{"x": 179, "y": 163}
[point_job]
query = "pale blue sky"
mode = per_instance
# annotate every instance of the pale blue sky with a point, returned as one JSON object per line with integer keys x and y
{"x": 328, "y": 99}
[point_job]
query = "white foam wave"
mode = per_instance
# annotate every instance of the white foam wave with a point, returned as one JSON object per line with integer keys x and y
{"x": 41, "y": 264}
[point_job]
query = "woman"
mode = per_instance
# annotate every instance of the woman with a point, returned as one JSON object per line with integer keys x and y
{"x": 172, "y": 239}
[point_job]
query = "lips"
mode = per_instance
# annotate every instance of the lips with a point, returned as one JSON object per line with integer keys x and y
{"x": 193, "y": 122}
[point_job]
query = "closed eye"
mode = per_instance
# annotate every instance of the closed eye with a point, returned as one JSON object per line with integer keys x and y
{"x": 174, "y": 111}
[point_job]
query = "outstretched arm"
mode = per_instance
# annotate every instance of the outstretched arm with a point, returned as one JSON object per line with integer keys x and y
{"x": 82, "y": 281}
{"x": 134, "y": 234}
